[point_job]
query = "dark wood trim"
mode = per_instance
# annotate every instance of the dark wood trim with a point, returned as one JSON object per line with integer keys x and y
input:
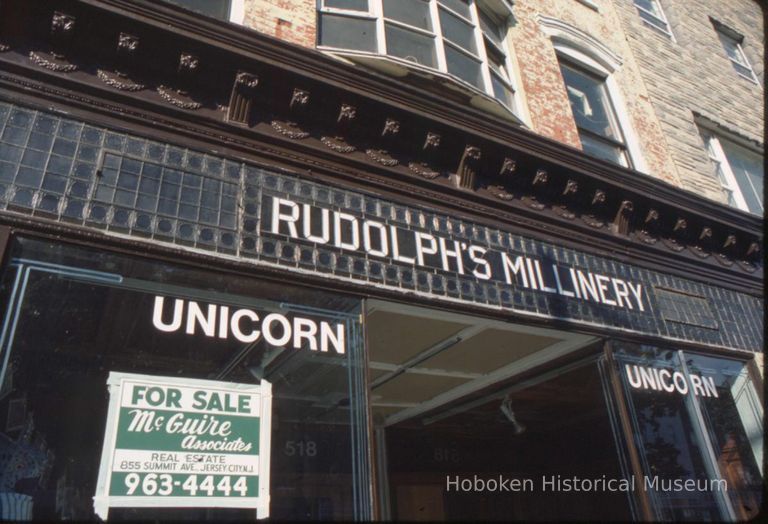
{"x": 314, "y": 162}
{"x": 5, "y": 239}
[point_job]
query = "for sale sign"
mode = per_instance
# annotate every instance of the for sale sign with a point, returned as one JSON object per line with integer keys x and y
{"x": 175, "y": 442}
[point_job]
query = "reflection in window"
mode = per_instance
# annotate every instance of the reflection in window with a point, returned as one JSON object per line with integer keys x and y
{"x": 695, "y": 419}
{"x": 79, "y": 314}
{"x": 463, "y": 38}
{"x": 734, "y": 420}
{"x": 594, "y": 115}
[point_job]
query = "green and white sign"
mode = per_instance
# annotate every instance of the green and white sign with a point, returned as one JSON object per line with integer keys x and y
{"x": 176, "y": 442}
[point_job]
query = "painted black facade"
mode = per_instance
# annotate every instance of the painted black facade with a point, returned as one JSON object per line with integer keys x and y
{"x": 118, "y": 183}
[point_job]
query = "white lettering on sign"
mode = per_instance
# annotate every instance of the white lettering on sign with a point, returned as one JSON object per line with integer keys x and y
{"x": 248, "y": 326}
{"x": 655, "y": 379}
{"x": 312, "y": 224}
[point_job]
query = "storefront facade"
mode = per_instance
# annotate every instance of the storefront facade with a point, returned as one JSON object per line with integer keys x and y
{"x": 454, "y": 322}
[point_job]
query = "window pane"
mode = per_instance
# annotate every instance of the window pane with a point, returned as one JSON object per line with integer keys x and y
{"x": 215, "y": 8}
{"x": 731, "y": 48}
{"x": 353, "y": 5}
{"x": 347, "y": 33}
{"x": 747, "y": 168}
{"x": 496, "y": 60}
{"x": 596, "y": 147}
{"x": 459, "y": 6}
{"x": 734, "y": 420}
{"x": 743, "y": 70}
{"x": 411, "y": 46}
{"x": 411, "y": 12}
{"x": 463, "y": 67}
{"x": 650, "y": 6}
{"x": 666, "y": 430}
{"x": 99, "y": 317}
{"x": 589, "y": 103}
{"x": 655, "y": 21}
{"x": 492, "y": 29}
{"x": 457, "y": 31}
{"x": 501, "y": 91}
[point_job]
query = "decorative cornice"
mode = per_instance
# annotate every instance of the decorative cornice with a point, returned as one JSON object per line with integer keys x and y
{"x": 504, "y": 172}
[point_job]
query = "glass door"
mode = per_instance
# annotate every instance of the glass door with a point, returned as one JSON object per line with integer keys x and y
{"x": 697, "y": 425}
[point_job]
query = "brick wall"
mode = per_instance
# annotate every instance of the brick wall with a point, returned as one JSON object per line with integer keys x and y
{"x": 294, "y": 21}
{"x": 543, "y": 85}
{"x": 693, "y": 74}
{"x": 662, "y": 81}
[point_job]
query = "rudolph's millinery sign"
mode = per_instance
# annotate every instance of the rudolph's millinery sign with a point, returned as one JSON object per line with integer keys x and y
{"x": 176, "y": 442}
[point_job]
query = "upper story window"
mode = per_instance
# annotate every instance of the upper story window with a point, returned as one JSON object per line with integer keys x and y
{"x": 732, "y": 41}
{"x": 227, "y": 10}
{"x": 593, "y": 112}
{"x": 463, "y": 38}
{"x": 588, "y": 69}
{"x": 740, "y": 171}
{"x": 652, "y": 14}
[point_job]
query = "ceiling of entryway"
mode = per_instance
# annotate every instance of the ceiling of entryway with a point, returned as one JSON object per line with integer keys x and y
{"x": 422, "y": 359}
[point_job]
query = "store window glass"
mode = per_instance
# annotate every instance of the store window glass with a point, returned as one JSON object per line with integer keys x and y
{"x": 74, "y": 315}
{"x": 734, "y": 421}
{"x": 697, "y": 423}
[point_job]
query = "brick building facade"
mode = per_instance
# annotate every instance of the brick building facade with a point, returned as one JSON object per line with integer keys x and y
{"x": 666, "y": 79}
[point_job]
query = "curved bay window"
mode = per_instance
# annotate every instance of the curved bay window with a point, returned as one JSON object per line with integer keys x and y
{"x": 463, "y": 38}
{"x": 74, "y": 316}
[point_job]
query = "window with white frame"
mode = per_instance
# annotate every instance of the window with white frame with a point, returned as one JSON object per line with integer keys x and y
{"x": 462, "y": 38}
{"x": 593, "y": 112}
{"x": 588, "y": 69}
{"x": 732, "y": 41}
{"x": 227, "y": 10}
{"x": 739, "y": 170}
{"x": 652, "y": 14}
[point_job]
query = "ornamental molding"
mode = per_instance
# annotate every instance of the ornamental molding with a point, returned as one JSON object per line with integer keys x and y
{"x": 566, "y": 36}
{"x": 263, "y": 108}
